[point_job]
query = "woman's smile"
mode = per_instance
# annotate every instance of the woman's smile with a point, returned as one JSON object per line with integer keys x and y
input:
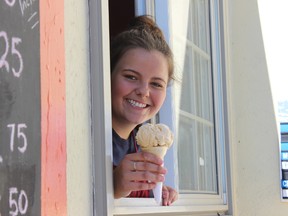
{"x": 136, "y": 104}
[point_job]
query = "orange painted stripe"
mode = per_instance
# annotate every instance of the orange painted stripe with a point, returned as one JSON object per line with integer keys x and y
{"x": 53, "y": 120}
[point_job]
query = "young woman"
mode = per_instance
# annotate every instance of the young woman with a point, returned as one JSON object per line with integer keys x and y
{"x": 141, "y": 69}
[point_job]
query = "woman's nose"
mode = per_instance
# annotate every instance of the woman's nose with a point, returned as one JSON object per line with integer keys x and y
{"x": 143, "y": 90}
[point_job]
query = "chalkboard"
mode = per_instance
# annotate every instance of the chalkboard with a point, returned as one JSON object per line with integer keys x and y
{"x": 20, "y": 111}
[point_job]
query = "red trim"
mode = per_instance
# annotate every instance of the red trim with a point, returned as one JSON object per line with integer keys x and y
{"x": 53, "y": 121}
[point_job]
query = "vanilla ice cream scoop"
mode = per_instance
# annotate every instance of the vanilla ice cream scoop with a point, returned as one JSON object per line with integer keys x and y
{"x": 152, "y": 135}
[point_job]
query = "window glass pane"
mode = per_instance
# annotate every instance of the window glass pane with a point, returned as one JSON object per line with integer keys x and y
{"x": 194, "y": 97}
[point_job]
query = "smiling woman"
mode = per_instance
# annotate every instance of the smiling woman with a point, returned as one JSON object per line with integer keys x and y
{"x": 141, "y": 68}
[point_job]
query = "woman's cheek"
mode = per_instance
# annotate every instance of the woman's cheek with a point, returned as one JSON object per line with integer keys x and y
{"x": 159, "y": 99}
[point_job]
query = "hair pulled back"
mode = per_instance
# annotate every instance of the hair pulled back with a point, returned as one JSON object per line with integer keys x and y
{"x": 141, "y": 33}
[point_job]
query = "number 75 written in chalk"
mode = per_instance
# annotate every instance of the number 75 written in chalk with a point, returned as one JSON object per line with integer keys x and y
{"x": 17, "y": 131}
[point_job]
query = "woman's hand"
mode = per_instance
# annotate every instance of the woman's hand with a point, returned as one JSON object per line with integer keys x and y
{"x": 138, "y": 171}
{"x": 169, "y": 195}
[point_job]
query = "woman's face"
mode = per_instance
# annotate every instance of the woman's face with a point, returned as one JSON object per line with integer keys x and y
{"x": 138, "y": 86}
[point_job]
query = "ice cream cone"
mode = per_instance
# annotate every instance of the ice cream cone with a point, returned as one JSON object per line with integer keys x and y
{"x": 159, "y": 151}
{"x": 155, "y": 139}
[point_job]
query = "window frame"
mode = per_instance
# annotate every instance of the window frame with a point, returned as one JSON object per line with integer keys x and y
{"x": 219, "y": 101}
{"x": 101, "y": 123}
{"x": 196, "y": 112}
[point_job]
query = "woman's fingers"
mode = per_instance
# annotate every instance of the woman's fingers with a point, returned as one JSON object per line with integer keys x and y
{"x": 126, "y": 185}
{"x": 169, "y": 195}
{"x": 145, "y": 176}
{"x": 165, "y": 195}
{"x": 147, "y": 166}
{"x": 142, "y": 162}
{"x": 137, "y": 186}
{"x": 144, "y": 157}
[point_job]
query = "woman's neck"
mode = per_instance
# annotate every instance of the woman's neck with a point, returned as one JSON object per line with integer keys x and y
{"x": 123, "y": 132}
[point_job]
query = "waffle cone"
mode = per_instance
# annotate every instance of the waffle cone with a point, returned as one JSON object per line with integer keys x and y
{"x": 160, "y": 151}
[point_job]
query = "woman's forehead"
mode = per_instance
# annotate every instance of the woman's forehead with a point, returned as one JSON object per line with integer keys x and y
{"x": 141, "y": 60}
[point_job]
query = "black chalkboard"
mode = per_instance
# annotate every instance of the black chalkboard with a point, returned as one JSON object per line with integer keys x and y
{"x": 20, "y": 111}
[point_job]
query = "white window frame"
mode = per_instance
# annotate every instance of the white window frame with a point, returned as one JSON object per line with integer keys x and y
{"x": 218, "y": 202}
{"x": 101, "y": 164}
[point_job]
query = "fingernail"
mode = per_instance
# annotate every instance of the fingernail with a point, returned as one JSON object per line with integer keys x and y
{"x": 164, "y": 170}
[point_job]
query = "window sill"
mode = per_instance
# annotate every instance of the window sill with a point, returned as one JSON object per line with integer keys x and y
{"x": 147, "y": 206}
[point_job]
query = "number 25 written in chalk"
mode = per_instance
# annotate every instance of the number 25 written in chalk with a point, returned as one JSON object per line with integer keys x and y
{"x": 14, "y": 52}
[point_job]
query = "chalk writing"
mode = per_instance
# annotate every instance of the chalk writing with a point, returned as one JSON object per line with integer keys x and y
{"x": 10, "y": 2}
{"x": 3, "y": 61}
{"x": 18, "y": 202}
{"x": 20, "y": 135}
{"x": 14, "y": 52}
{"x": 20, "y": 119}
{"x": 33, "y": 17}
{"x": 25, "y": 4}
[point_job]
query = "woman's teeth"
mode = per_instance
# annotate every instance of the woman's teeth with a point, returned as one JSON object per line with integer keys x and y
{"x": 136, "y": 104}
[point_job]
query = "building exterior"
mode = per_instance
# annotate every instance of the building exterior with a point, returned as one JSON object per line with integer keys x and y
{"x": 248, "y": 136}
{"x": 225, "y": 159}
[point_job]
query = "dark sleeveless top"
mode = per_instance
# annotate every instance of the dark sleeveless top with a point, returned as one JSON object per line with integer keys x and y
{"x": 121, "y": 147}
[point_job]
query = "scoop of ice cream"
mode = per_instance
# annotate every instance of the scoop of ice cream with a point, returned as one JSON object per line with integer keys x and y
{"x": 152, "y": 135}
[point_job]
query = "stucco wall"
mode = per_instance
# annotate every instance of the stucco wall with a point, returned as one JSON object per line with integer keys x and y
{"x": 77, "y": 108}
{"x": 254, "y": 139}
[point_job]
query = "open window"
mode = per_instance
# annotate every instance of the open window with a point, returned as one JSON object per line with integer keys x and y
{"x": 194, "y": 107}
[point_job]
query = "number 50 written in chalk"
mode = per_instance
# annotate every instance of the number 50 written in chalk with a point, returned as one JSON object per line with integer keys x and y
{"x": 18, "y": 203}
{"x": 17, "y": 131}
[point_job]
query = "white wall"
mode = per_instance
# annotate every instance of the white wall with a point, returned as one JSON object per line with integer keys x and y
{"x": 77, "y": 109}
{"x": 254, "y": 139}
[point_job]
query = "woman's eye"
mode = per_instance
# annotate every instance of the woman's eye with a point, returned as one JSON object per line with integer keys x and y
{"x": 157, "y": 85}
{"x": 130, "y": 77}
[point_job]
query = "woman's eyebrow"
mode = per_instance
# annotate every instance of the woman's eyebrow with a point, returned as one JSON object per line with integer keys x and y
{"x": 130, "y": 70}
